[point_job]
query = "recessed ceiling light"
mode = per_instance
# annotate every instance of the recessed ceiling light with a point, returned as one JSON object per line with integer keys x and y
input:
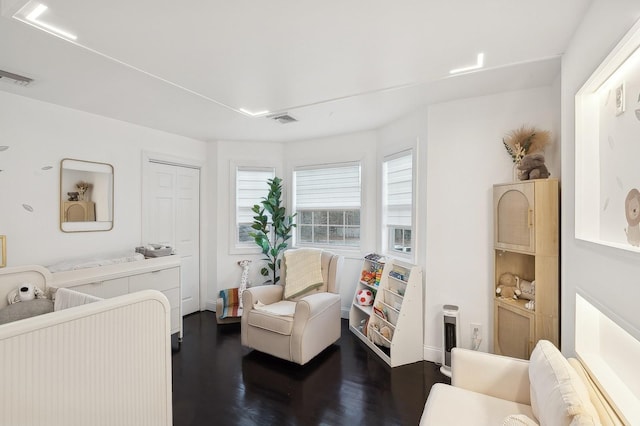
{"x": 477, "y": 66}
{"x": 253, "y": 114}
{"x": 32, "y": 18}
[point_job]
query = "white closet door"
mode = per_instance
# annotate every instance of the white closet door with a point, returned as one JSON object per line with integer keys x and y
{"x": 173, "y": 217}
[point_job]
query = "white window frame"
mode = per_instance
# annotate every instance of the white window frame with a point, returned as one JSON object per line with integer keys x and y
{"x": 328, "y": 209}
{"x": 388, "y": 229}
{"x": 236, "y": 246}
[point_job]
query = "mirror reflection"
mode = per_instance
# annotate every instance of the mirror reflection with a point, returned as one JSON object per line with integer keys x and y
{"x": 86, "y": 196}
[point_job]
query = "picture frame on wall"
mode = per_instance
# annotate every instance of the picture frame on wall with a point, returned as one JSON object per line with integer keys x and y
{"x": 3, "y": 251}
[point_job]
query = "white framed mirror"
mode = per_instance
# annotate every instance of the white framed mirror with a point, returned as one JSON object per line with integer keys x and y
{"x": 86, "y": 196}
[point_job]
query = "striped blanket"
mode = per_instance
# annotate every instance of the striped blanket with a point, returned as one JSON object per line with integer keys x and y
{"x": 231, "y": 303}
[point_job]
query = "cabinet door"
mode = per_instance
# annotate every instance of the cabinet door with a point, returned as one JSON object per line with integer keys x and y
{"x": 105, "y": 289}
{"x": 514, "y": 330}
{"x": 513, "y": 216}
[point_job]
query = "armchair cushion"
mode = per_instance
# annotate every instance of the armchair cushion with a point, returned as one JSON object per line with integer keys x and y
{"x": 558, "y": 396}
{"x": 450, "y": 405}
{"x": 498, "y": 376}
{"x": 274, "y": 323}
{"x": 304, "y": 272}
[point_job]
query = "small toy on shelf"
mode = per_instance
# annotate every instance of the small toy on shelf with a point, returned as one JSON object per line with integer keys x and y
{"x": 527, "y": 288}
{"x": 365, "y": 297}
{"x": 507, "y": 286}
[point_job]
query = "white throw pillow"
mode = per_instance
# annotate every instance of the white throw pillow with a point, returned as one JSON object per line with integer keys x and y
{"x": 558, "y": 396}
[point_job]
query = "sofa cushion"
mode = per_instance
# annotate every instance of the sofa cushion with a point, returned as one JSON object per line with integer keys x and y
{"x": 280, "y": 324}
{"x": 558, "y": 396}
{"x": 450, "y": 405}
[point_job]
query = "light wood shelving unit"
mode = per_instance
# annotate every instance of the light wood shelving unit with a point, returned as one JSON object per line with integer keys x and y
{"x": 526, "y": 243}
{"x": 398, "y": 299}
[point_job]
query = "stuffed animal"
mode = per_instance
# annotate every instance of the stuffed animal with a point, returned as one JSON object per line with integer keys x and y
{"x": 527, "y": 288}
{"x": 532, "y": 167}
{"x": 73, "y": 196}
{"x": 507, "y": 286}
{"x": 25, "y": 292}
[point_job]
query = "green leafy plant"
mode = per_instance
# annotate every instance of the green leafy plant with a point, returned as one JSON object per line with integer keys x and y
{"x": 272, "y": 236}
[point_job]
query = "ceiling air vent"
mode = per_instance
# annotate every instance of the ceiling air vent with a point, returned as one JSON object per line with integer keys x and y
{"x": 282, "y": 118}
{"x": 16, "y": 78}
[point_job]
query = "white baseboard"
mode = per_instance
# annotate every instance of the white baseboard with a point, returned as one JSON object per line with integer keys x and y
{"x": 433, "y": 354}
{"x": 344, "y": 313}
{"x": 210, "y": 305}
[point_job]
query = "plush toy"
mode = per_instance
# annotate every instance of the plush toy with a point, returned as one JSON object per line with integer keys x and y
{"x": 386, "y": 332}
{"x": 527, "y": 288}
{"x": 73, "y": 196}
{"x": 25, "y": 292}
{"x": 507, "y": 286}
{"x": 532, "y": 167}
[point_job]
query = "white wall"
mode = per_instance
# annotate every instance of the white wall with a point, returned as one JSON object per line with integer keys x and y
{"x": 465, "y": 157}
{"x": 39, "y": 135}
{"x": 606, "y": 275}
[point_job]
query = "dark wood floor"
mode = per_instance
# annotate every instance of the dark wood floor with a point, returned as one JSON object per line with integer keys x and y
{"x": 216, "y": 381}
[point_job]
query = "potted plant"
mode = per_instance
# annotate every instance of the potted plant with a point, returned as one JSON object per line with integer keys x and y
{"x": 272, "y": 235}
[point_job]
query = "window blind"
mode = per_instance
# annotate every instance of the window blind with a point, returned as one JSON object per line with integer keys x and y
{"x": 328, "y": 187}
{"x": 251, "y": 187}
{"x": 398, "y": 175}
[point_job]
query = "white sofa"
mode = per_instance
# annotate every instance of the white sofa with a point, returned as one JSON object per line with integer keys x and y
{"x": 490, "y": 389}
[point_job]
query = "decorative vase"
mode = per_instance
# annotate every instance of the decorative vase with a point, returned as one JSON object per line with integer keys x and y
{"x": 516, "y": 172}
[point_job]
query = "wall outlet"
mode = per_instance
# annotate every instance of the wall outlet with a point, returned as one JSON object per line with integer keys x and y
{"x": 476, "y": 335}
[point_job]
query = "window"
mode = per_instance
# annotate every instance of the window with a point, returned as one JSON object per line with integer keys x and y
{"x": 251, "y": 187}
{"x": 398, "y": 201}
{"x": 327, "y": 201}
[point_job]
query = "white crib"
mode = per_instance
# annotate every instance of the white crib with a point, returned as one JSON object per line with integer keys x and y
{"x": 103, "y": 363}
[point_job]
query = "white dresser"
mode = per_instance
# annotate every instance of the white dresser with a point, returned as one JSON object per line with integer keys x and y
{"x": 162, "y": 274}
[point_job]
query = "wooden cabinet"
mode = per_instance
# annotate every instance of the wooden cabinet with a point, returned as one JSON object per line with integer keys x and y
{"x": 78, "y": 211}
{"x": 526, "y": 233}
{"x": 162, "y": 274}
{"x": 393, "y": 326}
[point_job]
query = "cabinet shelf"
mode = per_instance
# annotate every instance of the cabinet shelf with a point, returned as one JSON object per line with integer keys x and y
{"x": 366, "y": 309}
{"x": 403, "y": 312}
{"x": 371, "y": 286}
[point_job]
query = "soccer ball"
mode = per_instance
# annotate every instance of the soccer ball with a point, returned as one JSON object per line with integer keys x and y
{"x": 365, "y": 297}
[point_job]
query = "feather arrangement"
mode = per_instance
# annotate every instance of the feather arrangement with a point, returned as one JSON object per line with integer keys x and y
{"x": 525, "y": 140}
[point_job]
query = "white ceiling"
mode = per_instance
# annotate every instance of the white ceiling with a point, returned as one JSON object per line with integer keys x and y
{"x": 338, "y": 66}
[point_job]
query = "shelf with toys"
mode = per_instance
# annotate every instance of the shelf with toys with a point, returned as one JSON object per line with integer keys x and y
{"x": 386, "y": 313}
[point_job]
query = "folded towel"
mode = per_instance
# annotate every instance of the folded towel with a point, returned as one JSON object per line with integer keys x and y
{"x": 66, "y": 298}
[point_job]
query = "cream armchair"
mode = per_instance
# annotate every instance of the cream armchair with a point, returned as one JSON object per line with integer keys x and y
{"x": 297, "y": 329}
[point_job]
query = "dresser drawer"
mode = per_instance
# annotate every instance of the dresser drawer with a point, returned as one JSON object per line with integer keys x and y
{"x": 162, "y": 280}
{"x": 105, "y": 289}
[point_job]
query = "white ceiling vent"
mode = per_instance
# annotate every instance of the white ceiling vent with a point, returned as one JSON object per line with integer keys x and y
{"x": 16, "y": 78}
{"x": 282, "y": 118}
